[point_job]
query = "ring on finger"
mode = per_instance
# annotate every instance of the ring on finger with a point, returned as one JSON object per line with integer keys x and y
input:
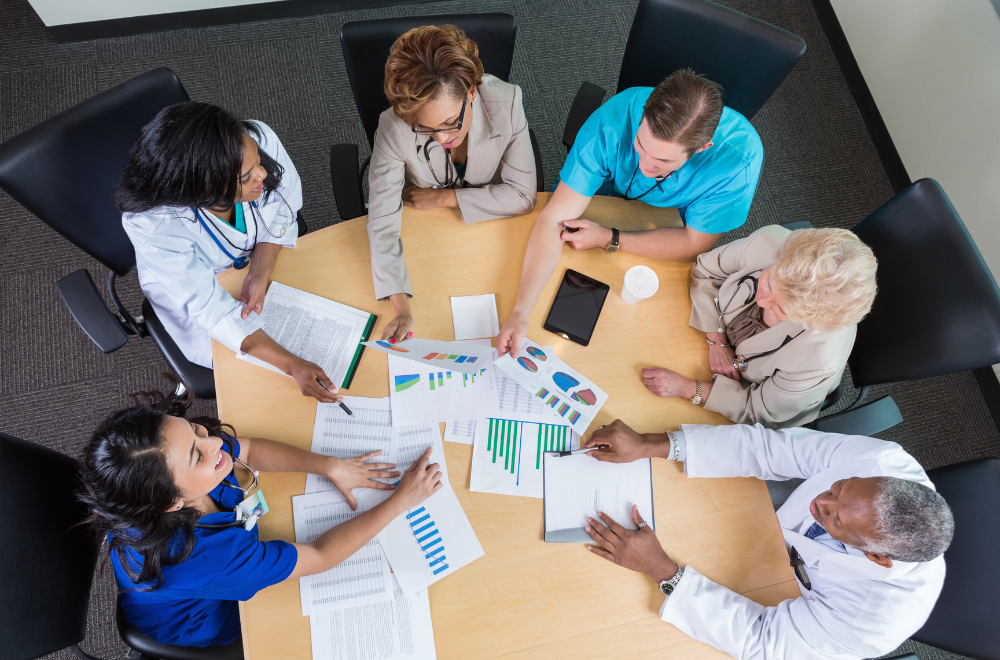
{"x": 642, "y": 524}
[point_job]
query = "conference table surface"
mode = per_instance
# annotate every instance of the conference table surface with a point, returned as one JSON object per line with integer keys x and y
{"x": 525, "y": 598}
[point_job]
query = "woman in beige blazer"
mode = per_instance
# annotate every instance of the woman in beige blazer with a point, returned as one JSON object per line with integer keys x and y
{"x": 789, "y": 302}
{"x": 454, "y": 137}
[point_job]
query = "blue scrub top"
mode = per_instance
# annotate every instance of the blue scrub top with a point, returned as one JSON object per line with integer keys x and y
{"x": 712, "y": 190}
{"x": 196, "y": 602}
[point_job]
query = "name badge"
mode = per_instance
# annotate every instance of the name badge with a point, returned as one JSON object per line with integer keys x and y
{"x": 250, "y": 509}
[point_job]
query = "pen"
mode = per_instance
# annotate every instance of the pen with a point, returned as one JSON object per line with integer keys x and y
{"x": 339, "y": 403}
{"x": 581, "y": 450}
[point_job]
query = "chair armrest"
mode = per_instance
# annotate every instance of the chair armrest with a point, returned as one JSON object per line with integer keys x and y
{"x": 346, "y": 180}
{"x": 588, "y": 98}
{"x": 539, "y": 170}
{"x": 91, "y": 312}
{"x": 869, "y": 419}
{"x": 200, "y": 380}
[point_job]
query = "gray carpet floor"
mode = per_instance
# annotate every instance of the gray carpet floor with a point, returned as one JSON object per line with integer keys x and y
{"x": 55, "y": 385}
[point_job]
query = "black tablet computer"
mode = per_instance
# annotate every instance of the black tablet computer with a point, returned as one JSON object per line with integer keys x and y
{"x": 576, "y": 307}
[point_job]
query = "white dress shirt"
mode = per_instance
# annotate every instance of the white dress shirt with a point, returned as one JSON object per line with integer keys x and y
{"x": 856, "y": 609}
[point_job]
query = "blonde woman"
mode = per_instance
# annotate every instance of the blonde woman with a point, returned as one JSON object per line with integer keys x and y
{"x": 454, "y": 137}
{"x": 779, "y": 310}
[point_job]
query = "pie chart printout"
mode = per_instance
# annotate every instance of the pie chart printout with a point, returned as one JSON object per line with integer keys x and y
{"x": 536, "y": 353}
{"x": 385, "y": 344}
{"x": 586, "y": 397}
{"x": 565, "y": 382}
{"x": 527, "y": 364}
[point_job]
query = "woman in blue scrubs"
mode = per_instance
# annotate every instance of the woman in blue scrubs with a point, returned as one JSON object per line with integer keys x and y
{"x": 153, "y": 481}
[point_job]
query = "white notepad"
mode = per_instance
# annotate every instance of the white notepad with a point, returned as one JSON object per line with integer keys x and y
{"x": 579, "y": 486}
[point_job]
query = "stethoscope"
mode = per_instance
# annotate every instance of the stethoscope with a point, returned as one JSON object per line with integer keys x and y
{"x": 241, "y": 262}
{"x": 449, "y": 180}
{"x": 659, "y": 182}
{"x": 740, "y": 362}
{"x": 238, "y": 521}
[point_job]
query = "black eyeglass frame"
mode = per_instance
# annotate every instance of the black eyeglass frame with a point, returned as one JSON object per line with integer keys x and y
{"x": 461, "y": 120}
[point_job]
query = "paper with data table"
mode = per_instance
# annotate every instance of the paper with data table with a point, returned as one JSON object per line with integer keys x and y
{"x": 429, "y": 541}
{"x": 399, "y": 629}
{"x": 560, "y": 387}
{"x": 579, "y": 486}
{"x": 361, "y": 579}
{"x": 315, "y": 329}
{"x": 507, "y": 456}
{"x": 335, "y": 433}
{"x": 442, "y": 355}
{"x": 426, "y": 394}
{"x": 511, "y": 398}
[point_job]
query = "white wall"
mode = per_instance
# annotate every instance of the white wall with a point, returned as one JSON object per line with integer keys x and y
{"x": 61, "y": 12}
{"x": 933, "y": 67}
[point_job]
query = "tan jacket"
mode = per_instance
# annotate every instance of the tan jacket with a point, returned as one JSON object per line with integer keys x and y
{"x": 787, "y": 387}
{"x": 499, "y": 177}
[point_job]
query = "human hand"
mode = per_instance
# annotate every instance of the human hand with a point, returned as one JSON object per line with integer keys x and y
{"x": 667, "y": 383}
{"x": 307, "y": 374}
{"x": 510, "y": 336}
{"x": 637, "y": 551}
{"x": 398, "y": 329}
{"x": 720, "y": 360}
{"x": 425, "y": 199}
{"x": 419, "y": 482}
{"x": 618, "y": 443}
{"x": 349, "y": 473}
{"x": 587, "y": 235}
{"x": 252, "y": 293}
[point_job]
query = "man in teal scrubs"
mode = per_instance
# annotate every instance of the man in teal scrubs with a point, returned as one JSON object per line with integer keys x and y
{"x": 674, "y": 145}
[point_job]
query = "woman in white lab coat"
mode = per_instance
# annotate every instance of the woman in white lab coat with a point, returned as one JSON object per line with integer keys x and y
{"x": 204, "y": 191}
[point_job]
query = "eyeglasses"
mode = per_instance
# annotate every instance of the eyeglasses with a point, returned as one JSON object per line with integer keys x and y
{"x": 432, "y": 131}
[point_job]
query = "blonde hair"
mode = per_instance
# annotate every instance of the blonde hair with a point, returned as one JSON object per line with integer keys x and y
{"x": 826, "y": 277}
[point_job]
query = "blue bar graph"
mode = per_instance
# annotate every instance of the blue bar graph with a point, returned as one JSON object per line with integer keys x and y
{"x": 428, "y": 538}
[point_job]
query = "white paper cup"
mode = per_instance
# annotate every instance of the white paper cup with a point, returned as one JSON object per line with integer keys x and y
{"x": 640, "y": 283}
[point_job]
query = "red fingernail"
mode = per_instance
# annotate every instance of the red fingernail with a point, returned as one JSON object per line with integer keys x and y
{"x": 392, "y": 341}
{"x": 408, "y": 335}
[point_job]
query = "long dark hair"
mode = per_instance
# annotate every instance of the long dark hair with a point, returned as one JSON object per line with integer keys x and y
{"x": 128, "y": 486}
{"x": 191, "y": 154}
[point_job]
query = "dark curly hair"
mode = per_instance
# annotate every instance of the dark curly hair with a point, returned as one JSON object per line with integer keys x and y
{"x": 128, "y": 485}
{"x": 191, "y": 154}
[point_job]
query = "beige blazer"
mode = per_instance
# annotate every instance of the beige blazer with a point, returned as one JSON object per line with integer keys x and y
{"x": 499, "y": 177}
{"x": 787, "y": 387}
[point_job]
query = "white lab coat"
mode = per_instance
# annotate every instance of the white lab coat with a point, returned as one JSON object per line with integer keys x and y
{"x": 856, "y": 609}
{"x": 177, "y": 261}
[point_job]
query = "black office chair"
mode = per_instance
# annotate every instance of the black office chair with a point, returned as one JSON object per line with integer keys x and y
{"x": 366, "y": 47}
{"x": 964, "y": 620}
{"x": 748, "y": 57}
{"x": 47, "y": 564}
{"x": 65, "y": 171}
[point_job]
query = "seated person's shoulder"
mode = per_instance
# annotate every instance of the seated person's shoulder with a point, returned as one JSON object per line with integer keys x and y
{"x": 736, "y": 138}
{"x": 761, "y": 247}
{"x": 150, "y": 221}
{"x": 494, "y": 90}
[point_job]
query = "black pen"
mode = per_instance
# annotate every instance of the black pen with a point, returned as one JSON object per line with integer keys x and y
{"x": 340, "y": 403}
{"x": 581, "y": 450}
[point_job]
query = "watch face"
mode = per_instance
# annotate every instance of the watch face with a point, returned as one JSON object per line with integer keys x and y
{"x": 666, "y": 588}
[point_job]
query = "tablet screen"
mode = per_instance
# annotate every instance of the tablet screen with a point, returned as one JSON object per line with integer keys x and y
{"x": 577, "y": 306}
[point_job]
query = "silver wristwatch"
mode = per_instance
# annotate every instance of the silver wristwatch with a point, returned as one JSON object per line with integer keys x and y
{"x": 696, "y": 399}
{"x": 668, "y": 586}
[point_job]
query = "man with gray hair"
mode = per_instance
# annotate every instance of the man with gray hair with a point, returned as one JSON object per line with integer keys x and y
{"x": 865, "y": 532}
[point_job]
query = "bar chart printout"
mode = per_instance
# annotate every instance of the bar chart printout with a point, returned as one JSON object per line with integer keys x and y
{"x": 428, "y": 537}
{"x": 507, "y": 452}
{"x": 361, "y": 579}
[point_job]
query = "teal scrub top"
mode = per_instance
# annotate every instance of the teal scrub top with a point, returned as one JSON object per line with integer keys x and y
{"x": 712, "y": 190}
{"x": 239, "y": 223}
{"x": 196, "y": 603}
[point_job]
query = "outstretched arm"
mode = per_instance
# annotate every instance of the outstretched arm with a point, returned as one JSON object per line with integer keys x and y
{"x": 665, "y": 243}
{"x": 540, "y": 259}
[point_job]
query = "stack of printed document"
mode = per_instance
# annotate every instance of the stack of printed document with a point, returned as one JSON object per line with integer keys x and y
{"x": 425, "y": 544}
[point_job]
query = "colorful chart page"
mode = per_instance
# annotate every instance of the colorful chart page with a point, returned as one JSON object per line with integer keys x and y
{"x": 462, "y": 357}
{"x": 567, "y": 392}
{"x": 507, "y": 452}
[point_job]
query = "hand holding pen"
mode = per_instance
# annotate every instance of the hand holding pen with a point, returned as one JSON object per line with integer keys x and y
{"x": 339, "y": 403}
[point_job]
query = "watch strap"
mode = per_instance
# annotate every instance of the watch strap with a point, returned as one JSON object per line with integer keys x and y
{"x": 615, "y": 237}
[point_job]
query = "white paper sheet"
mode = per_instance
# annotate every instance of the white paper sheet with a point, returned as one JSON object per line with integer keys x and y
{"x": 396, "y": 630}
{"x": 335, "y": 433}
{"x": 313, "y": 328}
{"x": 360, "y": 579}
{"x": 441, "y": 355}
{"x": 507, "y": 454}
{"x": 475, "y": 316}
{"x": 579, "y": 486}
{"x": 428, "y": 542}
{"x": 462, "y": 431}
{"x": 566, "y": 391}
{"x": 428, "y": 394}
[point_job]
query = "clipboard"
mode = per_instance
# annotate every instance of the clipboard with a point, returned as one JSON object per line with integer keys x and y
{"x": 594, "y": 483}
